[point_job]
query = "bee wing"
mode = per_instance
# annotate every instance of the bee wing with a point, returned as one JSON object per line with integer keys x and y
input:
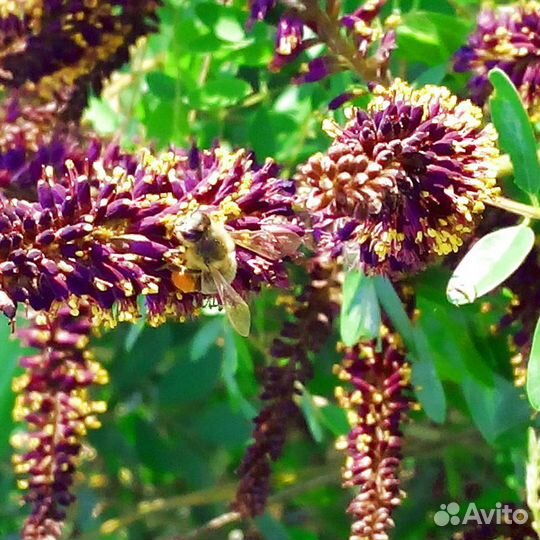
{"x": 235, "y": 306}
{"x": 208, "y": 283}
{"x": 270, "y": 244}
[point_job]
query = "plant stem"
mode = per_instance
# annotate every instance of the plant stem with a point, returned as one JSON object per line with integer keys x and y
{"x": 329, "y": 32}
{"x": 203, "y": 75}
{"x": 515, "y": 207}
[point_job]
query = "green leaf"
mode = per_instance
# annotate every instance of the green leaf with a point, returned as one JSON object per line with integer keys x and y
{"x": 311, "y": 414}
{"x": 9, "y": 356}
{"x": 206, "y": 337}
{"x": 432, "y": 75}
{"x": 190, "y": 381}
{"x": 418, "y": 40}
{"x": 130, "y": 370}
{"x": 427, "y": 384}
{"x": 271, "y": 528}
{"x": 225, "y": 21}
{"x": 515, "y": 131}
{"x": 533, "y": 370}
{"x": 360, "y": 311}
{"x": 492, "y": 260}
{"x": 104, "y": 119}
{"x": 497, "y": 409}
{"x": 429, "y": 38}
{"x": 229, "y": 368}
{"x": 335, "y": 419}
{"x": 393, "y": 307}
{"x": 220, "y": 93}
{"x": 454, "y": 358}
{"x": 134, "y": 332}
{"x": 228, "y": 28}
{"x": 222, "y": 427}
{"x": 151, "y": 447}
{"x": 162, "y": 85}
{"x": 159, "y": 120}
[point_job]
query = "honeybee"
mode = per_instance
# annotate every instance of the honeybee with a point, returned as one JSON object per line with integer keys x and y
{"x": 210, "y": 259}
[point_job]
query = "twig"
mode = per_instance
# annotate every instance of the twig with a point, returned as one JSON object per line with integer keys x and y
{"x": 423, "y": 441}
{"x": 138, "y": 71}
{"x": 214, "y": 524}
{"x": 329, "y": 477}
{"x": 203, "y": 75}
{"x": 328, "y": 30}
{"x": 515, "y": 207}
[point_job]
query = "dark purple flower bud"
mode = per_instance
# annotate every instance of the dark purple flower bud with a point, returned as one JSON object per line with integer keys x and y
{"x": 318, "y": 69}
{"x": 289, "y": 40}
{"x": 340, "y": 100}
{"x": 259, "y": 10}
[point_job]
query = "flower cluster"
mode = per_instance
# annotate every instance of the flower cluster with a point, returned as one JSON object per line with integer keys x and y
{"x": 506, "y": 37}
{"x": 355, "y": 41}
{"x": 379, "y": 377}
{"x": 63, "y": 48}
{"x": 53, "y": 399}
{"x": 403, "y": 182}
{"x": 116, "y": 230}
{"x": 314, "y": 312}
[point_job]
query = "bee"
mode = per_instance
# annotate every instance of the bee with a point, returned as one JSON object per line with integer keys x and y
{"x": 210, "y": 259}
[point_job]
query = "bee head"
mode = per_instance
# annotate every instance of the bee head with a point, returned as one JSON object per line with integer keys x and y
{"x": 194, "y": 226}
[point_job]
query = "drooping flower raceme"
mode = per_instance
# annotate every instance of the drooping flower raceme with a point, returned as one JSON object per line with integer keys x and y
{"x": 375, "y": 397}
{"x": 63, "y": 48}
{"x": 403, "y": 182}
{"x": 314, "y": 312}
{"x": 109, "y": 232}
{"x": 54, "y": 401}
{"x": 506, "y": 37}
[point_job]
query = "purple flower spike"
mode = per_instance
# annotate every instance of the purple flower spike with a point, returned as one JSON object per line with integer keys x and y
{"x": 53, "y": 400}
{"x": 353, "y": 41}
{"x": 314, "y": 312}
{"x": 378, "y": 377}
{"x": 111, "y": 231}
{"x": 63, "y": 49}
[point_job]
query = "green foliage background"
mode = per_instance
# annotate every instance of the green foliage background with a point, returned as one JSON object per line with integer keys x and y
{"x": 181, "y": 397}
